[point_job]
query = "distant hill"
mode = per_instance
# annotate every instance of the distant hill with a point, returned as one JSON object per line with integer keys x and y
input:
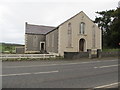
{"x": 11, "y": 44}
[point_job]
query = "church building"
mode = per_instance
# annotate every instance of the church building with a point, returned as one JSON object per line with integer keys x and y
{"x": 77, "y": 34}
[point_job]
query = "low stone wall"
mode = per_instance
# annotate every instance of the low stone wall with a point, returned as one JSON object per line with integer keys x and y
{"x": 89, "y": 54}
{"x": 75, "y": 55}
{"x": 20, "y": 50}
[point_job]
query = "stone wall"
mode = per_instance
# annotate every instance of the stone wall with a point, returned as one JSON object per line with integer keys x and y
{"x": 20, "y": 50}
{"x": 99, "y": 54}
{"x": 109, "y": 54}
{"x": 75, "y": 55}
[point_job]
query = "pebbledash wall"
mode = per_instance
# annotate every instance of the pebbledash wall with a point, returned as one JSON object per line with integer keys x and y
{"x": 33, "y": 45}
{"x": 52, "y": 41}
{"x": 90, "y": 54}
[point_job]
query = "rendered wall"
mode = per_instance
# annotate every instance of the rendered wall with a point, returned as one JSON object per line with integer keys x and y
{"x": 76, "y": 36}
{"x": 52, "y": 41}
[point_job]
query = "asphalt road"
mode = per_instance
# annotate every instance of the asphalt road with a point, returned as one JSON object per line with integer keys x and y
{"x": 60, "y": 74}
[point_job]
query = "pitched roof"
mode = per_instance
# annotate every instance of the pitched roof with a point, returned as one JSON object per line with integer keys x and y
{"x": 73, "y": 17}
{"x": 70, "y": 19}
{"x": 37, "y": 29}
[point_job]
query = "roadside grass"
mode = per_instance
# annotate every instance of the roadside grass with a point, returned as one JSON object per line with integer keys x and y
{"x": 110, "y": 50}
{"x": 0, "y": 48}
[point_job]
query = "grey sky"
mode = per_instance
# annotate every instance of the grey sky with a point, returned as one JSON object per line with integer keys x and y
{"x": 14, "y": 14}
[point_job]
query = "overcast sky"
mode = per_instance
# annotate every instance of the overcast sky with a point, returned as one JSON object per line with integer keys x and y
{"x": 14, "y": 14}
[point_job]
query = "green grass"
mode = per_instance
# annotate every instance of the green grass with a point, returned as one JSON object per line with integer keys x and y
{"x": 109, "y": 50}
{"x": 7, "y": 48}
{"x": 0, "y": 48}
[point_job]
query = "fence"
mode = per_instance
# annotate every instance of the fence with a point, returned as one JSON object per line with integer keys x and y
{"x": 6, "y": 56}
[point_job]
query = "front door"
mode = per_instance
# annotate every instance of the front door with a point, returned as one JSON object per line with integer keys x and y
{"x": 81, "y": 45}
{"x": 42, "y": 45}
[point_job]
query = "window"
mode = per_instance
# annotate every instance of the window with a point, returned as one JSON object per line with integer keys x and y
{"x": 48, "y": 42}
{"x": 82, "y": 28}
{"x": 69, "y": 28}
{"x": 69, "y": 35}
{"x": 93, "y": 36}
{"x": 53, "y": 40}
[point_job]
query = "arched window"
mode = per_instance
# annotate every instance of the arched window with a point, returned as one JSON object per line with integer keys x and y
{"x": 69, "y": 28}
{"x": 93, "y": 36}
{"x": 82, "y": 28}
{"x": 69, "y": 35}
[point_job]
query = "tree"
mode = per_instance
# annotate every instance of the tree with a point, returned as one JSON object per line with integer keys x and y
{"x": 115, "y": 29}
{"x": 109, "y": 23}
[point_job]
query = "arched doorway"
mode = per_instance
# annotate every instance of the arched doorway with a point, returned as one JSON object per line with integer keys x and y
{"x": 81, "y": 45}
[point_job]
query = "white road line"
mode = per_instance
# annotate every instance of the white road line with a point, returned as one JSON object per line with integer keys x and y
{"x": 105, "y": 86}
{"x": 56, "y": 64}
{"x": 46, "y": 72}
{"x": 107, "y": 66}
{"x": 29, "y": 73}
{"x": 15, "y": 74}
{"x": 29, "y": 66}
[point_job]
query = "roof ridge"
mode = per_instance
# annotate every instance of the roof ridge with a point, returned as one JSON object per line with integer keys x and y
{"x": 71, "y": 18}
{"x": 41, "y": 25}
{"x": 37, "y": 29}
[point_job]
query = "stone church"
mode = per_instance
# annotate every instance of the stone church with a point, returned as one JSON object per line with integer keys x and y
{"x": 77, "y": 34}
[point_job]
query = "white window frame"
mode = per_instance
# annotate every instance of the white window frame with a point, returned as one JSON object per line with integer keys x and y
{"x": 82, "y": 28}
{"x": 40, "y": 45}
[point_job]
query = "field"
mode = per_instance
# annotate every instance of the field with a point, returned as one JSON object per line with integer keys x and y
{"x": 0, "y": 47}
{"x": 8, "y": 48}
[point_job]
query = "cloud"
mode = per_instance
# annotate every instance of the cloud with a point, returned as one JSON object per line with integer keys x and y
{"x": 14, "y": 14}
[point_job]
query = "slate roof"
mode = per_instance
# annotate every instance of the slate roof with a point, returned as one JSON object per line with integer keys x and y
{"x": 38, "y": 29}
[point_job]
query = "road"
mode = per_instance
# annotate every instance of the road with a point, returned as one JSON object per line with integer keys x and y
{"x": 60, "y": 74}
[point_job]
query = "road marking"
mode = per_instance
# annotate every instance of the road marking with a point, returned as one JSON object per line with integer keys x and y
{"x": 46, "y": 72}
{"x": 29, "y": 73}
{"x": 15, "y": 74}
{"x": 56, "y": 64}
{"x": 29, "y": 66}
{"x": 106, "y": 66}
{"x": 108, "y": 85}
